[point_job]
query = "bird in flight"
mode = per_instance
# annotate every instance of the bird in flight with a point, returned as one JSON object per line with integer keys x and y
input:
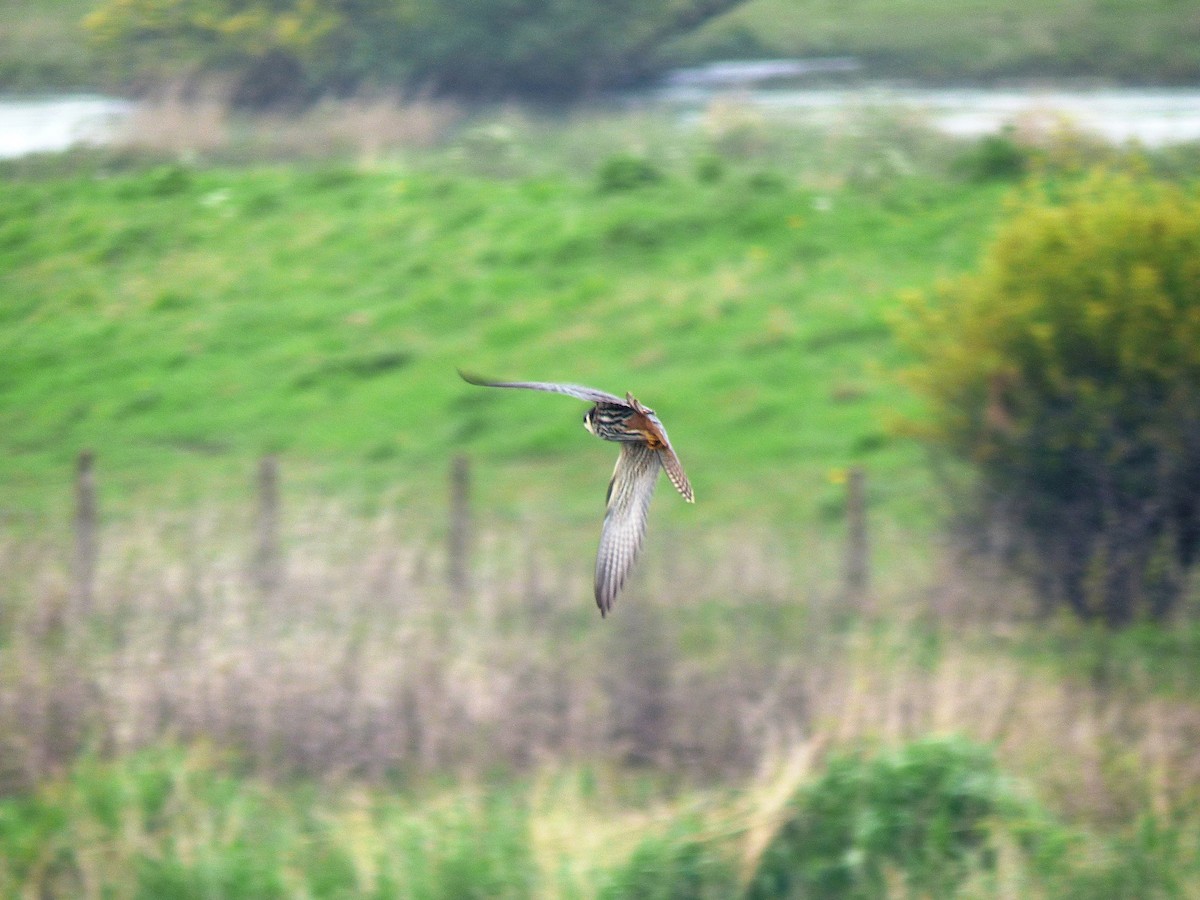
{"x": 645, "y": 449}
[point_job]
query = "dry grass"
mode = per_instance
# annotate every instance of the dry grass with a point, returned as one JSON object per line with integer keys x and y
{"x": 722, "y": 661}
{"x": 186, "y": 121}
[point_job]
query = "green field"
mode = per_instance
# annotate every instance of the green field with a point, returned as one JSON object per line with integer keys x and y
{"x": 941, "y": 41}
{"x": 179, "y": 321}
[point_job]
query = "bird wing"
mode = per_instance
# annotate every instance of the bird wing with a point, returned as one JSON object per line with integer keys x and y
{"x": 670, "y": 461}
{"x": 629, "y": 495}
{"x": 571, "y": 390}
{"x": 675, "y": 472}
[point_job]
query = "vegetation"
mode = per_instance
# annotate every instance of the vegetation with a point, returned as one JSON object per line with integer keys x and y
{"x": 43, "y": 43}
{"x": 1123, "y": 40}
{"x": 291, "y": 51}
{"x": 920, "y": 810}
{"x": 356, "y": 728}
{"x": 166, "y": 822}
{"x": 179, "y": 357}
{"x": 43, "y": 46}
{"x": 173, "y": 822}
{"x": 1068, "y": 373}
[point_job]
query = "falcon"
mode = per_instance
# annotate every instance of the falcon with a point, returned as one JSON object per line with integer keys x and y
{"x": 645, "y": 449}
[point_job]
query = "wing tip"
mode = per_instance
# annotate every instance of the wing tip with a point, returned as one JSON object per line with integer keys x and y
{"x": 604, "y": 600}
{"x": 685, "y": 490}
{"x": 472, "y": 378}
{"x": 607, "y": 587}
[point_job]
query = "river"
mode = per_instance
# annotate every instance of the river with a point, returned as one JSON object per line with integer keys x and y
{"x": 1153, "y": 117}
{"x": 47, "y": 124}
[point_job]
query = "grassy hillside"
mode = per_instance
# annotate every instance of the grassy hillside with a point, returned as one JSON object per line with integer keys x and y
{"x": 180, "y": 321}
{"x": 1125, "y": 40}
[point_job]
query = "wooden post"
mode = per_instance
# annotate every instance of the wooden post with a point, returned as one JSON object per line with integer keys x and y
{"x": 458, "y": 542}
{"x": 858, "y": 561}
{"x": 86, "y": 543}
{"x": 266, "y": 555}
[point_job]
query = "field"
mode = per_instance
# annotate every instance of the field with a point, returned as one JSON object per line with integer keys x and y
{"x": 925, "y": 39}
{"x": 743, "y": 299}
{"x": 360, "y": 727}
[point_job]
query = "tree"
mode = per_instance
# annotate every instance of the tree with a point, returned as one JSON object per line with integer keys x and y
{"x": 1066, "y": 372}
{"x": 283, "y": 49}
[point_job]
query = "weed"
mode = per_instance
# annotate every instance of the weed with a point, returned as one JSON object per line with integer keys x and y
{"x": 625, "y": 173}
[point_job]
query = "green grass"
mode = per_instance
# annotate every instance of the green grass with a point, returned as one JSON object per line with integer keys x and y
{"x": 934, "y": 817}
{"x": 180, "y": 321}
{"x": 1140, "y": 657}
{"x": 1126, "y": 40}
{"x": 167, "y": 823}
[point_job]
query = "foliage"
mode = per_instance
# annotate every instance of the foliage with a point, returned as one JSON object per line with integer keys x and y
{"x": 625, "y": 172}
{"x": 181, "y": 320}
{"x": 43, "y": 47}
{"x": 167, "y": 822}
{"x": 995, "y": 156}
{"x": 284, "y": 50}
{"x": 680, "y": 865}
{"x": 1134, "y": 41}
{"x": 1146, "y": 654}
{"x": 1123, "y": 40}
{"x": 1067, "y": 372}
{"x": 175, "y": 822}
{"x": 274, "y": 50}
{"x": 923, "y": 811}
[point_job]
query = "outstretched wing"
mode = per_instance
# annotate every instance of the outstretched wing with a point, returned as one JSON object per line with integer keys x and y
{"x": 666, "y": 453}
{"x": 675, "y": 472}
{"x": 629, "y": 495}
{"x": 571, "y": 390}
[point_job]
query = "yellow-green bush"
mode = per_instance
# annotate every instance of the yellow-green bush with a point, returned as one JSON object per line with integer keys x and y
{"x": 1066, "y": 370}
{"x": 274, "y": 49}
{"x": 287, "y": 50}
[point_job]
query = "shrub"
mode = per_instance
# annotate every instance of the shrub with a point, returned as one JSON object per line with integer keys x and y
{"x": 168, "y": 822}
{"x": 680, "y": 865}
{"x": 626, "y": 172}
{"x": 710, "y": 169}
{"x": 922, "y": 811}
{"x": 1066, "y": 372}
{"x": 282, "y": 50}
{"x": 995, "y": 157}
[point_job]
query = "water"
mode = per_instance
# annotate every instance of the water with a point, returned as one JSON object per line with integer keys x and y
{"x": 45, "y": 124}
{"x": 1153, "y": 117}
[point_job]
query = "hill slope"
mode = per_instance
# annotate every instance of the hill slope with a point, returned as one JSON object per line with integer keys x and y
{"x": 181, "y": 321}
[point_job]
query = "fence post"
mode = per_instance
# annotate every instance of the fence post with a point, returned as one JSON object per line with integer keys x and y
{"x": 458, "y": 542}
{"x": 858, "y": 561}
{"x": 266, "y": 555}
{"x": 86, "y": 543}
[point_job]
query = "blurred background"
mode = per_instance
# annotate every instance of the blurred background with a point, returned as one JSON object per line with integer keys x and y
{"x": 287, "y": 609}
